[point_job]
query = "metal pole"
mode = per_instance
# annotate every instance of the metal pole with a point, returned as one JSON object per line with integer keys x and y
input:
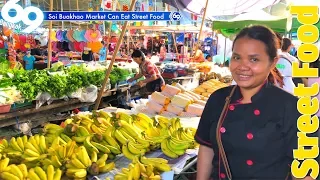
{"x": 62, "y": 23}
{"x": 50, "y": 39}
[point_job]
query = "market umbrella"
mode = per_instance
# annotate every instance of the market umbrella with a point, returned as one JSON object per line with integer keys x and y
{"x": 260, "y": 17}
{"x": 219, "y": 8}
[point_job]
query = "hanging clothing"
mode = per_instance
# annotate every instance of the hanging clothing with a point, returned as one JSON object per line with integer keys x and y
{"x": 29, "y": 62}
{"x": 102, "y": 54}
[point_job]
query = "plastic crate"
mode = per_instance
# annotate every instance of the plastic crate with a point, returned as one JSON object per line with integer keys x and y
{"x": 20, "y": 105}
{"x": 5, "y": 108}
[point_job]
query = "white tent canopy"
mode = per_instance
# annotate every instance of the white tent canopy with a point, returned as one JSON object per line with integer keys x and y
{"x": 220, "y": 8}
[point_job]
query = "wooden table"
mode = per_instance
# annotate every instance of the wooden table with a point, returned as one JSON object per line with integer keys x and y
{"x": 48, "y": 112}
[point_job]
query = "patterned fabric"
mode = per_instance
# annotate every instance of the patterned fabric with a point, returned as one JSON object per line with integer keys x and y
{"x": 148, "y": 69}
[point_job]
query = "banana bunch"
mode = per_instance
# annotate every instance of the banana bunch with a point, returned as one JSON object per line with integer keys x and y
{"x": 52, "y": 129}
{"x": 163, "y": 122}
{"x": 3, "y": 145}
{"x": 145, "y": 168}
{"x": 49, "y": 174}
{"x": 16, "y": 146}
{"x": 35, "y": 149}
{"x": 78, "y": 164}
{"x": 124, "y": 116}
{"x": 99, "y": 164}
{"x": 178, "y": 143}
{"x": 12, "y": 172}
{"x": 142, "y": 121}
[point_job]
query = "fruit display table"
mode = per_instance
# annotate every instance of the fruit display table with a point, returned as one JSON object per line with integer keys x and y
{"x": 48, "y": 112}
{"x": 178, "y": 165}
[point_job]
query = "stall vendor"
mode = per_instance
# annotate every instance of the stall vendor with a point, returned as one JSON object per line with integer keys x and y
{"x": 198, "y": 57}
{"x": 153, "y": 79}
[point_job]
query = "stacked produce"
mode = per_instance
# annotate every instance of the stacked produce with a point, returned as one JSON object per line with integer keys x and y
{"x": 176, "y": 101}
{"x": 144, "y": 168}
{"x": 208, "y": 87}
{"x": 58, "y": 81}
{"x": 84, "y": 143}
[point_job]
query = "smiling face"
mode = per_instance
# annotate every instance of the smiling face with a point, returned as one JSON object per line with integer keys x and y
{"x": 250, "y": 63}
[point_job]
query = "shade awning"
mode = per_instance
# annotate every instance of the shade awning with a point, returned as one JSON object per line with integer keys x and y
{"x": 219, "y": 8}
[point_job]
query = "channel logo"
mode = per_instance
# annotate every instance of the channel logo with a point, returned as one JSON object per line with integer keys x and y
{"x": 175, "y": 16}
{"x": 31, "y": 16}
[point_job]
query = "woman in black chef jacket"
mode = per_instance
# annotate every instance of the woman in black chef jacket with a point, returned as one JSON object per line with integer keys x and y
{"x": 254, "y": 137}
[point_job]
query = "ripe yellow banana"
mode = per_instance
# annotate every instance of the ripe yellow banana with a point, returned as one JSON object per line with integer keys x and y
{"x": 119, "y": 136}
{"x": 83, "y": 156}
{"x": 55, "y": 161}
{"x": 95, "y": 129}
{"x": 127, "y": 153}
{"x": 42, "y": 144}
{"x": 23, "y": 168}
{"x": 144, "y": 117}
{"x": 30, "y": 153}
{"x": 164, "y": 167}
{"x": 167, "y": 151}
{"x": 77, "y": 163}
{"x": 16, "y": 171}
{"x": 121, "y": 176}
{"x": 102, "y": 159}
{"x": 57, "y": 175}
{"x": 77, "y": 173}
{"x": 136, "y": 172}
{"x": 8, "y": 176}
{"x": 70, "y": 148}
{"x": 94, "y": 156}
{"x": 20, "y": 143}
{"x": 32, "y": 175}
{"x": 139, "y": 146}
{"x": 50, "y": 172}
{"x": 107, "y": 167}
{"x": 135, "y": 150}
{"x": 125, "y": 170}
{"x": 33, "y": 141}
{"x": 14, "y": 144}
{"x": 159, "y": 160}
{"x": 129, "y": 128}
{"x": 41, "y": 173}
{"x": 126, "y": 135}
{"x": 111, "y": 140}
{"x": 176, "y": 145}
{"x": 124, "y": 117}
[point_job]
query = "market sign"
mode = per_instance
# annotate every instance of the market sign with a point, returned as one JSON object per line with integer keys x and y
{"x": 32, "y": 17}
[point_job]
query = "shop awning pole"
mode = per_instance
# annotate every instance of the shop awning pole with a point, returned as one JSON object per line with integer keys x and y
{"x": 124, "y": 28}
{"x": 50, "y": 39}
{"x": 201, "y": 27}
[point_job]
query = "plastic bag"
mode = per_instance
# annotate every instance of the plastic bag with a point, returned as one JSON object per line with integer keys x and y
{"x": 89, "y": 94}
{"x": 45, "y": 97}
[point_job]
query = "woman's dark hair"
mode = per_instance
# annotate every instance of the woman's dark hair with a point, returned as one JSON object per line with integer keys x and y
{"x": 279, "y": 37}
{"x": 271, "y": 41}
{"x": 286, "y": 43}
{"x": 138, "y": 53}
{"x": 208, "y": 56}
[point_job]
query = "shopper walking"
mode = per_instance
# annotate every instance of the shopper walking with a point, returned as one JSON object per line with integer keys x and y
{"x": 253, "y": 135}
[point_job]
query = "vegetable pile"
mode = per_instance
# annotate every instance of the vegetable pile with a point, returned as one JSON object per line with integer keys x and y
{"x": 58, "y": 82}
